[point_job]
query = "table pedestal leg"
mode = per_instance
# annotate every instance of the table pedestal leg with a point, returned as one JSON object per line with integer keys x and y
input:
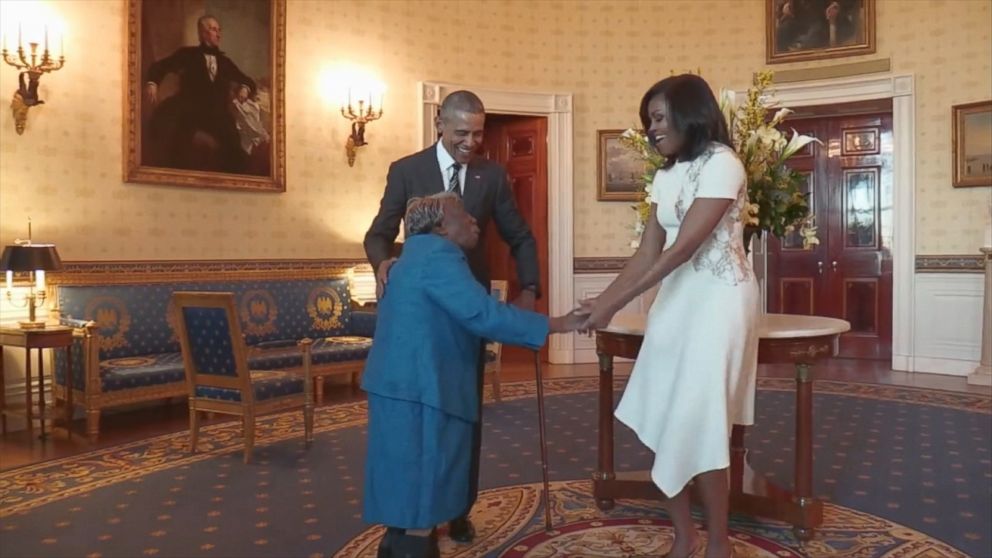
{"x": 810, "y": 509}
{"x": 605, "y": 470}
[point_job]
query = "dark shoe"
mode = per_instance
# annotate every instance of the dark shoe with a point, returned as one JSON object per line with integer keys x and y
{"x": 461, "y": 530}
{"x": 410, "y": 546}
{"x": 387, "y": 542}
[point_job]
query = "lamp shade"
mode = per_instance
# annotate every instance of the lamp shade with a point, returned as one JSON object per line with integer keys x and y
{"x": 30, "y": 257}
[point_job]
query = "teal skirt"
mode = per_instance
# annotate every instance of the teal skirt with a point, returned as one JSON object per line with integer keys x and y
{"x": 417, "y": 465}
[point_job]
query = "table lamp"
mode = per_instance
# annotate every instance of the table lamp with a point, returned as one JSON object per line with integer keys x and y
{"x": 35, "y": 259}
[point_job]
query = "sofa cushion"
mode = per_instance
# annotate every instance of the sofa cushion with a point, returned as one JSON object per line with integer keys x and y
{"x": 266, "y": 384}
{"x": 140, "y": 371}
{"x": 326, "y": 350}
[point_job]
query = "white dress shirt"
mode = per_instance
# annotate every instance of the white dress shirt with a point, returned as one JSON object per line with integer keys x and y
{"x": 444, "y": 161}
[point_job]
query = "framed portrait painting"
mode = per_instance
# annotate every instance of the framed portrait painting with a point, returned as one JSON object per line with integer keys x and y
{"x": 972, "y": 144}
{"x": 798, "y": 30}
{"x": 204, "y": 105}
{"x": 620, "y": 172}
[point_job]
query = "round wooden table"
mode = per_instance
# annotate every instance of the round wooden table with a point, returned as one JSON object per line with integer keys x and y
{"x": 784, "y": 338}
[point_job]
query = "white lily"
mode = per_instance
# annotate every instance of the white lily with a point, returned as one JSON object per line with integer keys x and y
{"x": 728, "y": 105}
{"x": 796, "y": 142}
{"x": 780, "y": 116}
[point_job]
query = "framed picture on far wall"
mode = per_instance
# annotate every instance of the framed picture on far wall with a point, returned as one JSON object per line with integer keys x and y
{"x": 620, "y": 172}
{"x": 972, "y": 144}
{"x": 204, "y": 102}
{"x": 815, "y": 29}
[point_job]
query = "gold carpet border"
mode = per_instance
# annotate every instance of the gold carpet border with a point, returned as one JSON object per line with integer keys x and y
{"x": 24, "y": 488}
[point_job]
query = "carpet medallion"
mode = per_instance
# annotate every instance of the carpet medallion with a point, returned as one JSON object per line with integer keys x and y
{"x": 903, "y": 472}
{"x": 510, "y": 524}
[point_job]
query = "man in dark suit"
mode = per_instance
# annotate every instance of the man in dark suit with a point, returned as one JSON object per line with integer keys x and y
{"x": 209, "y": 81}
{"x": 451, "y": 165}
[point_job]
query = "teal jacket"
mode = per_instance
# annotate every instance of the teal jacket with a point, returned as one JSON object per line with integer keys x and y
{"x": 430, "y": 326}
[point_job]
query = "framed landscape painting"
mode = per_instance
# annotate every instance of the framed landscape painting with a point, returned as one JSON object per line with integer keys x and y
{"x": 815, "y": 29}
{"x": 620, "y": 172}
{"x": 972, "y": 144}
{"x": 204, "y": 100}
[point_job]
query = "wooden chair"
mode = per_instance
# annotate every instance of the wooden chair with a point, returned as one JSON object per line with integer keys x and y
{"x": 217, "y": 374}
{"x": 494, "y": 350}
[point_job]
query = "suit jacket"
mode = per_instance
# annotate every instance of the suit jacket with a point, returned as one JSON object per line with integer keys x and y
{"x": 197, "y": 94}
{"x": 487, "y": 195}
{"x": 430, "y": 327}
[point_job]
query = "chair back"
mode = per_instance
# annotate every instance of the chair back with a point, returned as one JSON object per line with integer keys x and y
{"x": 213, "y": 348}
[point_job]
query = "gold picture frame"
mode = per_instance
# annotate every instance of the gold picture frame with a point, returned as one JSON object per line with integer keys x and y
{"x": 203, "y": 113}
{"x": 971, "y": 140}
{"x": 795, "y": 33}
{"x": 619, "y": 171}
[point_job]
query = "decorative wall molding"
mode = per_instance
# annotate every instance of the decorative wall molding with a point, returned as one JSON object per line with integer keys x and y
{"x": 598, "y": 265}
{"x": 592, "y": 284}
{"x": 164, "y": 271}
{"x": 950, "y": 264}
{"x": 557, "y": 108}
{"x": 948, "y": 336}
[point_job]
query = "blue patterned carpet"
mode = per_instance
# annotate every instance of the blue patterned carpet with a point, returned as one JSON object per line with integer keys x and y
{"x": 905, "y": 472}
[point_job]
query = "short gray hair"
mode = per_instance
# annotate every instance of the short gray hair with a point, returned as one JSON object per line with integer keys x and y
{"x": 424, "y": 214}
{"x": 461, "y": 101}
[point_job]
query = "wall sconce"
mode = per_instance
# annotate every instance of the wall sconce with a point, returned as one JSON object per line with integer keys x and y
{"x": 32, "y": 67}
{"x": 35, "y": 259}
{"x": 359, "y": 117}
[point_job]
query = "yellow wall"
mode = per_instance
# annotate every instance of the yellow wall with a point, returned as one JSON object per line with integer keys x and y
{"x": 65, "y": 171}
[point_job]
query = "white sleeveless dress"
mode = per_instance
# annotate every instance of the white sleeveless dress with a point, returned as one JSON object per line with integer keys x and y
{"x": 695, "y": 375}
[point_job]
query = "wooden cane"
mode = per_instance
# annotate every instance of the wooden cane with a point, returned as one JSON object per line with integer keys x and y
{"x": 546, "y": 493}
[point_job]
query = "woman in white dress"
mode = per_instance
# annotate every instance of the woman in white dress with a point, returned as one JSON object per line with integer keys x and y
{"x": 695, "y": 375}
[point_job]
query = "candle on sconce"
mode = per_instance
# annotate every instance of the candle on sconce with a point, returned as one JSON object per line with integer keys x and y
{"x": 62, "y": 45}
{"x": 10, "y": 279}
{"x": 46, "y": 39}
{"x": 39, "y": 280}
{"x": 20, "y": 42}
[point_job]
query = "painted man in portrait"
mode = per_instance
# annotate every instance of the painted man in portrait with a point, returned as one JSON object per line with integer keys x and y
{"x": 810, "y": 24}
{"x": 198, "y": 127}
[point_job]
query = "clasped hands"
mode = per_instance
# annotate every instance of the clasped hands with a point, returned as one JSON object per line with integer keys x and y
{"x": 590, "y": 315}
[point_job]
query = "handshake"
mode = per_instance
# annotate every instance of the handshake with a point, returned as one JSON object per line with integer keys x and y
{"x": 585, "y": 319}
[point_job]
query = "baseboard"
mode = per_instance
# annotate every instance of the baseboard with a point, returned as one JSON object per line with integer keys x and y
{"x": 945, "y": 366}
{"x": 560, "y": 356}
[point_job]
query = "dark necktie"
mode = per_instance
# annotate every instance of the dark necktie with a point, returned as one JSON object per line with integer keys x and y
{"x": 453, "y": 185}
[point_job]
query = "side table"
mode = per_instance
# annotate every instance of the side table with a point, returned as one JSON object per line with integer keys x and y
{"x": 51, "y": 337}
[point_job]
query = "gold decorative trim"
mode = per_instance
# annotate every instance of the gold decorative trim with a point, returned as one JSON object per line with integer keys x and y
{"x": 84, "y": 273}
{"x": 598, "y": 265}
{"x": 950, "y": 264}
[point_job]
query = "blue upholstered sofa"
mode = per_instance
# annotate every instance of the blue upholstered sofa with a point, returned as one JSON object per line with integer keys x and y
{"x": 127, "y": 349}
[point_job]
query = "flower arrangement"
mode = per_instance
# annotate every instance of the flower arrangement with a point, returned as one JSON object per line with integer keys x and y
{"x": 776, "y": 202}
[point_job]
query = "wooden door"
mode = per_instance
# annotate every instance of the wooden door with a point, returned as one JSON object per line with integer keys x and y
{"x": 520, "y": 144}
{"x": 849, "y": 275}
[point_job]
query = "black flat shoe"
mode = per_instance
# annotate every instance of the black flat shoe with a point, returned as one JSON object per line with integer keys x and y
{"x": 461, "y": 530}
{"x": 410, "y": 546}
{"x": 388, "y": 540}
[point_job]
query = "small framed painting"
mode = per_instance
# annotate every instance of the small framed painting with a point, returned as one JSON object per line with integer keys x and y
{"x": 620, "y": 170}
{"x": 972, "y": 144}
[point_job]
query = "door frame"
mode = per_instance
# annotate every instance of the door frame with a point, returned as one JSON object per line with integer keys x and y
{"x": 557, "y": 108}
{"x": 899, "y": 88}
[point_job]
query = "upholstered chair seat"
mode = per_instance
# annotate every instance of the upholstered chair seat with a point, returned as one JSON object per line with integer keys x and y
{"x": 218, "y": 378}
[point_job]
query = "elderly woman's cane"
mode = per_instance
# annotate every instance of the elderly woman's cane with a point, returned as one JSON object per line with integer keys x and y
{"x": 544, "y": 444}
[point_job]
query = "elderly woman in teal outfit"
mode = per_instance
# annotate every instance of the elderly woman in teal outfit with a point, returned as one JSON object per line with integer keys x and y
{"x": 421, "y": 376}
